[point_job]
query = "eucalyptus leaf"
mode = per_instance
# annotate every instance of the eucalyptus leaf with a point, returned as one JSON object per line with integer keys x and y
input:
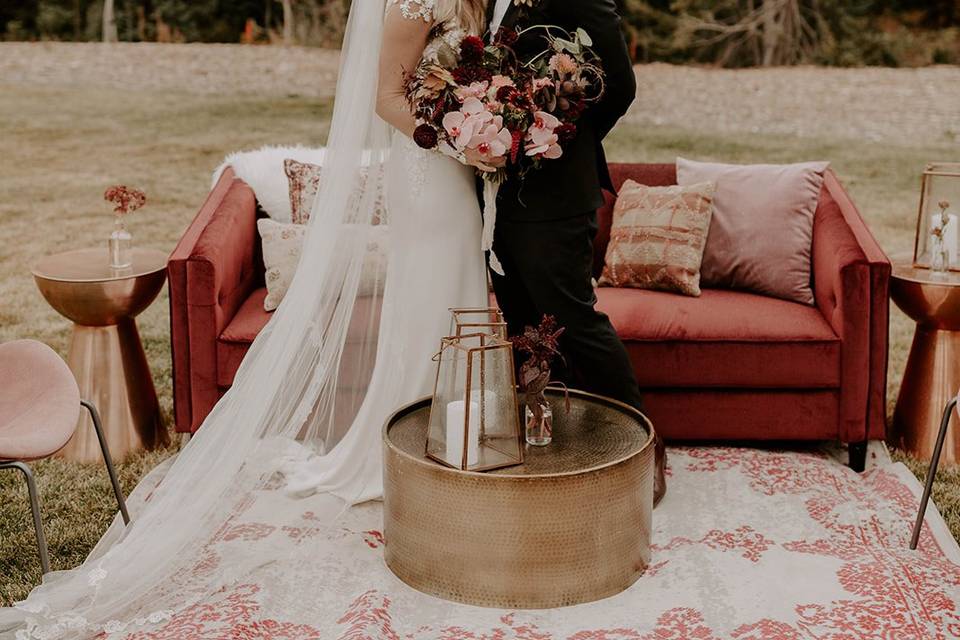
{"x": 566, "y": 45}
{"x": 584, "y": 37}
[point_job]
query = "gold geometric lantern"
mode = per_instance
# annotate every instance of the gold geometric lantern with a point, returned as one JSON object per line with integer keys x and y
{"x": 488, "y": 320}
{"x": 937, "y": 244}
{"x": 474, "y": 420}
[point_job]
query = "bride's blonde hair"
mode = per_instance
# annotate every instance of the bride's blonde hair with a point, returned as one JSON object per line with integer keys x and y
{"x": 472, "y": 13}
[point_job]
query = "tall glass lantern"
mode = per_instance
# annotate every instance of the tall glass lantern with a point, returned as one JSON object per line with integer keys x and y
{"x": 489, "y": 320}
{"x": 474, "y": 418}
{"x": 937, "y": 245}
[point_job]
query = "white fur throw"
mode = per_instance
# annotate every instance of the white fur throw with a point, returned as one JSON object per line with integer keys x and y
{"x": 263, "y": 171}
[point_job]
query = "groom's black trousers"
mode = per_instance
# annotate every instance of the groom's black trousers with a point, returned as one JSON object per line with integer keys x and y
{"x": 548, "y": 267}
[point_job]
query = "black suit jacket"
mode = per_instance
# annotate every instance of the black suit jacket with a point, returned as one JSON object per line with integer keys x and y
{"x": 572, "y": 185}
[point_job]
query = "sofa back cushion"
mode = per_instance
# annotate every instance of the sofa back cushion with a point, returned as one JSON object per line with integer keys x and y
{"x": 762, "y": 227}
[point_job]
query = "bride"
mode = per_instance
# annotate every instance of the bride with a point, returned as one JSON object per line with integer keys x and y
{"x": 336, "y": 353}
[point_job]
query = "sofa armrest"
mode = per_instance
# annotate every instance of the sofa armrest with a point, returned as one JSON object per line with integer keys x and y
{"x": 212, "y": 271}
{"x": 851, "y": 282}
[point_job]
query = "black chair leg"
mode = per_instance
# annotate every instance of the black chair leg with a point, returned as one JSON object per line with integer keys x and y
{"x": 857, "y": 452}
{"x": 35, "y": 508}
{"x": 95, "y": 415}
{"x": 932, "y": 472}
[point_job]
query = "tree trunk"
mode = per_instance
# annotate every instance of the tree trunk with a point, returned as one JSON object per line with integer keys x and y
{"x": 77, "y": 21}
{"x": 109, "y": 22}
{"x": 288, "y": 21}
{"x": 771, "y": 31}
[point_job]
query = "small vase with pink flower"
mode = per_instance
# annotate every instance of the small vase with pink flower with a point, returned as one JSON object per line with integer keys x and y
{"x": 120, "y": 244}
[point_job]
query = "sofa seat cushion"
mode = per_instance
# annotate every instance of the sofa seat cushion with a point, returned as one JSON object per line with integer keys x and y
{"x": 250, "y": 319}
{"x": 723, "y": 339}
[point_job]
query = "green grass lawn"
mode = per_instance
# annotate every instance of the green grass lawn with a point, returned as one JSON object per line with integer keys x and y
{"x": 60, "y": 148}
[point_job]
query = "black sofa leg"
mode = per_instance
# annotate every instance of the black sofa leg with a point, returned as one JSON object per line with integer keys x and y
{"x": 858, "y": 455}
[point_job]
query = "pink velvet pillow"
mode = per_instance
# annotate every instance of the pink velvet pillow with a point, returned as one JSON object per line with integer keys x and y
{"x": 761, "y": 235}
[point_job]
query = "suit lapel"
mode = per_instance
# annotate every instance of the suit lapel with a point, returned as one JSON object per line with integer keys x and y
{"x": 512, "y": 16}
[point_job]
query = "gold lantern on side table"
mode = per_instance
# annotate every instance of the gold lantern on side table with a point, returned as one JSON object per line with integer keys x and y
{"x": 488, "y": 320}
{"x": 474, "y": 420}
{"x": 937, "y": 244}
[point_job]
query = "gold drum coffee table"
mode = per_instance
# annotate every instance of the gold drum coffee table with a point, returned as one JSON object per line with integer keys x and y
{"x": 106, "y": 355}
{"x": 570, "y": 525}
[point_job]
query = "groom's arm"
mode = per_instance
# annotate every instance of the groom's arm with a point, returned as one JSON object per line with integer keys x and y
{"x": 600, "y": 19}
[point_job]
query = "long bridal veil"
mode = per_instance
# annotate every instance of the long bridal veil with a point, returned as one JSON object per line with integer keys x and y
{"x": 304, "y": 380}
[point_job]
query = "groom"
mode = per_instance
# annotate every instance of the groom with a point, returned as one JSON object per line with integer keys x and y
{"x": 544, "y": 234}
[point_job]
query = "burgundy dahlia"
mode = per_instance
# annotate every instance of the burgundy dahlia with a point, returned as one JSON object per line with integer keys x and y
{"x": 426, "y": 136}
{"x": 505, "y": 93}
{"x": 466, "y": 75}
{"x": 507, "y": 37}
{"x": 471, "y": 49}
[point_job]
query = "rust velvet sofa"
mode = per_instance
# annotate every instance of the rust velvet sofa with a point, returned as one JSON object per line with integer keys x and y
{"x": 729, "y": 365}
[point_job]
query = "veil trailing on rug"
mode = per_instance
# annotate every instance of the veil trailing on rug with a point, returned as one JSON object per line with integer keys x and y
{"x": 303, "y": 383}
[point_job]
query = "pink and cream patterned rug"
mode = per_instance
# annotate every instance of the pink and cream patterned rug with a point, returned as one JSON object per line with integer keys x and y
{"x": 749, "y": 544}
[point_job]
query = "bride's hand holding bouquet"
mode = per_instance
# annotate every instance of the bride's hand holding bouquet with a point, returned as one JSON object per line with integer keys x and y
{"x": 490, "y": 109}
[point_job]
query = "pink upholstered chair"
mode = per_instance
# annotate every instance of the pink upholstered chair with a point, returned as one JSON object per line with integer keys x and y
{"x": 39, "y": 406}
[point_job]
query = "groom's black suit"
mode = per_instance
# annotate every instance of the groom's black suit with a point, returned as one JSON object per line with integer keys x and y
{"x": 545, "y": 231}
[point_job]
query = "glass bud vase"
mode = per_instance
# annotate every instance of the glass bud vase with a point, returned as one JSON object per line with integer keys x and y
{"x": 121, "y": 245}
{"x": 939, "y": 256}
{"x": 539, "y": 427}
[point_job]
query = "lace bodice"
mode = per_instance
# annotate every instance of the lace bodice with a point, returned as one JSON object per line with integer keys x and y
{"x": 450, "y": 32}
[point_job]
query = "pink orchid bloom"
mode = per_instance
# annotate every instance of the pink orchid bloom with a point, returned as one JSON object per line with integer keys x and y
{"x": 463, "y": 125}
{"x": 472, "y": 106}
{"x": 475, "y": 90}
{"x": 502, "y": 81}
{"x": 489, "y": 148}
{"x": 541, "y": 139}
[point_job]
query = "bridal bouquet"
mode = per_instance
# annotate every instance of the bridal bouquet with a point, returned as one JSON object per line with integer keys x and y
{"x": 504, "y": 115}
{"x": 498, "y": 113}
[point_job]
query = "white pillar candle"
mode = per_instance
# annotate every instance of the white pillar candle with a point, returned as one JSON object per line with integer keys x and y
{"x": 951, "y": 235}
{"x": 456, "y": 418}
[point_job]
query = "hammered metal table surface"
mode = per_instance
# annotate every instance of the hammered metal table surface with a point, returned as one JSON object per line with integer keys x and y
{"x": 570, "y": 525}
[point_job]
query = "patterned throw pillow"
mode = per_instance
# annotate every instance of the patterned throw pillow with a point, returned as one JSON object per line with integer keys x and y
{"x": 304, "y": 179}
{"x": 283, "y": 244}
{"x": 658, "y": 237}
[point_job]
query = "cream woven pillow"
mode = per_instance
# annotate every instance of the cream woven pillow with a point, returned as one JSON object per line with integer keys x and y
{"x": 283, "y": 244}
{"x": 658, "y": 236}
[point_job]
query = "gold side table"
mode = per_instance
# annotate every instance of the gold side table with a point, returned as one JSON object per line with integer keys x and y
{"x": 932, "y": 376}
{"x": 570, "y": 525}
{"x": 106, "y": 354}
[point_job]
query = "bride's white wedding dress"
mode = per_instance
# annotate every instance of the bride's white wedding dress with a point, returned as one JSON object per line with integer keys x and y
{"x": 435, "y": 264}
{"x": 274, "y": 449}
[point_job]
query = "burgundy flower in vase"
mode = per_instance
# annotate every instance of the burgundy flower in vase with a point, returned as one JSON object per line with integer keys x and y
{"x": 541, "y": 345}
{"x": 124, "y": 199}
